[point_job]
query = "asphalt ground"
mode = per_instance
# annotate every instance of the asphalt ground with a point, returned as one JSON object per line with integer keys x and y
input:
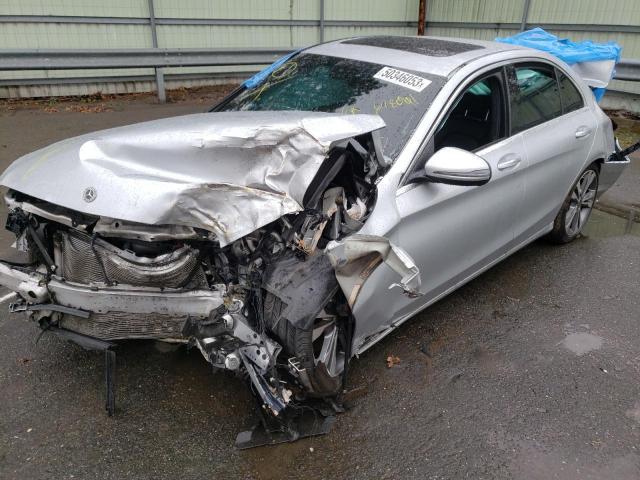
{"x": 531, "y": 371}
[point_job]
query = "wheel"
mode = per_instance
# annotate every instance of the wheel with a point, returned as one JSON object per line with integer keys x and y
{"x": 575, "y": 210}
{"x": 320, "y": 350}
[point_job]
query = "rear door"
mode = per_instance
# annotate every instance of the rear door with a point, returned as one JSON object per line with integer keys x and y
{"x": 558, "y": 130}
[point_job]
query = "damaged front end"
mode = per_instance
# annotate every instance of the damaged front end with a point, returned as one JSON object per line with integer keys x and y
{"x": 253, "y": 275}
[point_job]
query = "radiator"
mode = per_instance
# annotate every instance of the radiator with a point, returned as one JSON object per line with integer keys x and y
{"x": 79, "y": 262}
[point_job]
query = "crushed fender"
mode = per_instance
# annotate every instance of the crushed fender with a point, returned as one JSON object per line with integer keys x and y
{"x": 247, "y": 249}
{"x": 355, "y": 258}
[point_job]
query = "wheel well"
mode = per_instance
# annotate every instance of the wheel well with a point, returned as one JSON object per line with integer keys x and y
{"x": 598, "y": 162}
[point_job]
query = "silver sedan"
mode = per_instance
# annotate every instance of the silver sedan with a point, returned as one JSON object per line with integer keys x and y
{"x": 314, "y": 210}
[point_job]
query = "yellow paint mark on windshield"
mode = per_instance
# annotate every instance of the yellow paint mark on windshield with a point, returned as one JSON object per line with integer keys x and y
{"x": 285, "y": 71}
{"x": 281, "y": 74}
{"x": 350, "y": 110}
{"x": 395, "y": 102}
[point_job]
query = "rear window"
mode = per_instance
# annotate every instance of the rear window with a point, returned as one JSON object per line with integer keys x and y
{"x": 535, "y": 98}
{"x": 319, "y": 83}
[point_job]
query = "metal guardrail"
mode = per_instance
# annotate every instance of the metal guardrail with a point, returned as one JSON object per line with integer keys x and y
{"x": 628, "y": 69}
{"x": 56, "y": 59}
{"x": 158, "y": 58}
{"x": 136, "y": 58}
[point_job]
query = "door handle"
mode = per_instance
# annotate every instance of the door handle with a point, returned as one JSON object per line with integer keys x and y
{"x": 583, "y": 131}
{"x": 509, "y": 161}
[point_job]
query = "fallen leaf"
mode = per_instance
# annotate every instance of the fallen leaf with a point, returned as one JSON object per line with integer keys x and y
{"x": 392, "y": 360}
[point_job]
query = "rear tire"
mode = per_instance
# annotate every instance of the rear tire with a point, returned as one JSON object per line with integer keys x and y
{"x": 325, "y": 378}
{"x": 576, "y": 208}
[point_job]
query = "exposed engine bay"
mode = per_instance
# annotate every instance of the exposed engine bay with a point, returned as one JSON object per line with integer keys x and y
{"x": 268, "y": 305}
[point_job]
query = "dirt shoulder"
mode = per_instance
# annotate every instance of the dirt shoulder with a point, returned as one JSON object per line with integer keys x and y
{"x": 101, "y": 103}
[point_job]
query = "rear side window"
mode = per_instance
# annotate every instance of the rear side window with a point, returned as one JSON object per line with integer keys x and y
{"x": 534, "y": 96}
{"x": 571, "y": 98}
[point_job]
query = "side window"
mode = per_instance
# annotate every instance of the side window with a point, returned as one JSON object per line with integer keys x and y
{"x": 477, "y": 119}
{"x": 571, "y": 98}
{"x": 534, "y": 97}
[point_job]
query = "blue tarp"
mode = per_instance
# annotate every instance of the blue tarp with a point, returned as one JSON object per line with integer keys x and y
{"x": 261, "y": 76}
{"x": 563, "y": 48}
{"x": 598, "y": 93}
{"x": 566, "y": 50}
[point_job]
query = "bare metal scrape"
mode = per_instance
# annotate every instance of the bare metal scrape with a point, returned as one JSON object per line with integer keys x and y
{"x": 355, "y": 257}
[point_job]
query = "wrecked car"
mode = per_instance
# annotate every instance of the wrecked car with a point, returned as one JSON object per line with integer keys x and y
{"x": 312, "y": 211}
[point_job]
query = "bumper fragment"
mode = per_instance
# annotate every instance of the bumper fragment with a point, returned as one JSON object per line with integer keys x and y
{"x": 609, "y": 174}
{"x": 611, "y": 169}
{"x": 102, "y": 299}
{"x": 30, "y": 286}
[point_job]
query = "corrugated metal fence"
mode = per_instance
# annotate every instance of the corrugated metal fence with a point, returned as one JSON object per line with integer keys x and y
{"x": 185, "y": 24}
{"x": 596, "y": 20}
{"x": 271, "y": 25}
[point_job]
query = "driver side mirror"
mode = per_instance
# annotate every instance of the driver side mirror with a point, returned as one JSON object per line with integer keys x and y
{"x": 455, "y": 166}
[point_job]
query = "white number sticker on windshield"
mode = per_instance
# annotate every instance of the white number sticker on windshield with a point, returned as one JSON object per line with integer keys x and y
{"x": 404, "y": 79}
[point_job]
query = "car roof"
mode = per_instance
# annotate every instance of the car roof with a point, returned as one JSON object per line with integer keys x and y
{"x": 434, "y": 55}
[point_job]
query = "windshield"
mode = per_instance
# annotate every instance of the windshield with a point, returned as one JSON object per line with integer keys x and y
{"x": 319, "y": 83}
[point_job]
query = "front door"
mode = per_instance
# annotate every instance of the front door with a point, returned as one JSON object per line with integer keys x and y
{"x": 453, "y": 231}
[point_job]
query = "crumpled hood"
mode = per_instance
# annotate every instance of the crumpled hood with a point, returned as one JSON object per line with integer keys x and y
{"x": 227, "y": 172}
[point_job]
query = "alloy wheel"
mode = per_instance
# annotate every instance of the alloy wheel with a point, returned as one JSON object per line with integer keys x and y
{"x": 581, "y": 203}
{"x": 327, "y": 346}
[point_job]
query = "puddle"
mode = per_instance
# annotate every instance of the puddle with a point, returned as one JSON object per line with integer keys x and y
{"x": 603, "y": 225}
{"x": 581, "y": 343}
{"x": 634, "y": 413}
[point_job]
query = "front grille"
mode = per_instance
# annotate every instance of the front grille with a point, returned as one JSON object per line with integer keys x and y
{"x": 119, "y": 325}
{"x": 80, "y": 262}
